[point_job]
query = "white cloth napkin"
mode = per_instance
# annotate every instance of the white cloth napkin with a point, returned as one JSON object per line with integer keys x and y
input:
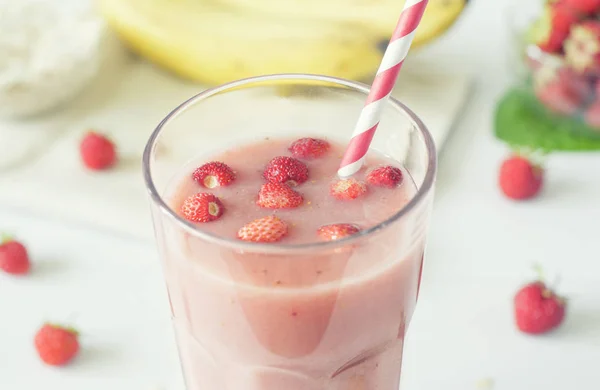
{"x": 40, "y": 170}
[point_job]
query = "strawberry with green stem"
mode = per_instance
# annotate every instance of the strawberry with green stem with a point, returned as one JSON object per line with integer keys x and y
{"x": 537, "y": 308}
{"x": 551, "y": 30}
{"x": 521, "y": 175}
{"x": 56, "y": 345}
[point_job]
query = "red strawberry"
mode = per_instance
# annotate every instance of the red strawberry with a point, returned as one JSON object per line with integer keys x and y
{"x": 309, "y": 148}
{"x": 561, "y": 90}
{"x": 286, "y": 170}
{"x": 583, "y": 6}
{"x": 214, "y": 174}
{"x": 266, "y": 229}
{"x": 582, "y": 48}
{"x": 554, "y": 27}
{"x": 347, "y": 189}
{"x": 13, "y": 257}
{"x": 56, "y": 345}
{"x": 278, "y": 196}
{"x": 592, "y": 115}
{"x": 97, "y": 151}
{"x": 387, "y": 176}
{"x": 538, "y": 309}
{"x": 337, "y": 231}
{"x": 202, "y": 207}
{"x": 520, "y": 179}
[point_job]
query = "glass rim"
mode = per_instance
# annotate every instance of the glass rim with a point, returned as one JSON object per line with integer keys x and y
{"x": 158, "y": 200}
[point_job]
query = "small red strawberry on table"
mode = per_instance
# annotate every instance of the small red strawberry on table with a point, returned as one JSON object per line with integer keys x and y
{"x": 538, "y": 308}
{"x": 14, "y": 258}
{"x": 97, "y": 151}
{"x": 520, "y": 178}
{"x": 56, "y": 345}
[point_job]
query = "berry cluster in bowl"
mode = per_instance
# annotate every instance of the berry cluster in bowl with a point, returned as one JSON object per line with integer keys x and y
{"x": 282, "y": 180}
{"x": 564, "y": 59}
{"x": 556, "y": 104}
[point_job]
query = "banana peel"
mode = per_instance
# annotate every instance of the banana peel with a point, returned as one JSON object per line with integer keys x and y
{"x": 217, "y": 41}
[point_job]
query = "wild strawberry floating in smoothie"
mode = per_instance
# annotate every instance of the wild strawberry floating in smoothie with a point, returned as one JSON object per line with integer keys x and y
{"x": 278, "y": 196}
{"x": 309, "y": 148}
{"x": 202, "y": 207}
{"x": 337, "y": 231}
{"x": 347, "y": 189}
{"x": 214, "y": 174}
{"x": 287, "y": 170}
{"x": 386, "y": 176}
{"x": 267, "y": 229}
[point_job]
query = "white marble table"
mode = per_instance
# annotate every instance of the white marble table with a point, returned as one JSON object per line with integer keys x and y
{"x": 481, "y": 249}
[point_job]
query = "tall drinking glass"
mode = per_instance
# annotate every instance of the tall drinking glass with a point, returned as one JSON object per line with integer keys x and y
{"x": 319, "y": 316}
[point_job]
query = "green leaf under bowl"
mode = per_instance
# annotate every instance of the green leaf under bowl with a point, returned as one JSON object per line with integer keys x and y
{"x": 521, "y": 121}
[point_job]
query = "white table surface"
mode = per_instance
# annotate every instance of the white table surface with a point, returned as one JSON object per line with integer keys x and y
{"x": 481, "y": 248}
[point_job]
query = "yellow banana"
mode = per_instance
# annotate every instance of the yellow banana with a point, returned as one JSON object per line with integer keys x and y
{"x": 212, "y": 44}
{"x": 377, "y": 16}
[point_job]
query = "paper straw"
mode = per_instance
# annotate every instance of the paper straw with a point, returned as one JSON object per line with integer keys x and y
{"x": 386, "y": 77}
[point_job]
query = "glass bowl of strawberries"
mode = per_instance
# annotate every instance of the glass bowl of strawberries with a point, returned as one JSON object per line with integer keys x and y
{"x": 556, "y": 102}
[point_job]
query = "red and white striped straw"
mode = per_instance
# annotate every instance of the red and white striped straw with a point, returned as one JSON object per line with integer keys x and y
{"x": 381, "y": 89}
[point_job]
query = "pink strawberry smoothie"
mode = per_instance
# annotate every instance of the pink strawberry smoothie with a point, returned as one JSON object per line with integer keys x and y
{"x": 316, "y": 318}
